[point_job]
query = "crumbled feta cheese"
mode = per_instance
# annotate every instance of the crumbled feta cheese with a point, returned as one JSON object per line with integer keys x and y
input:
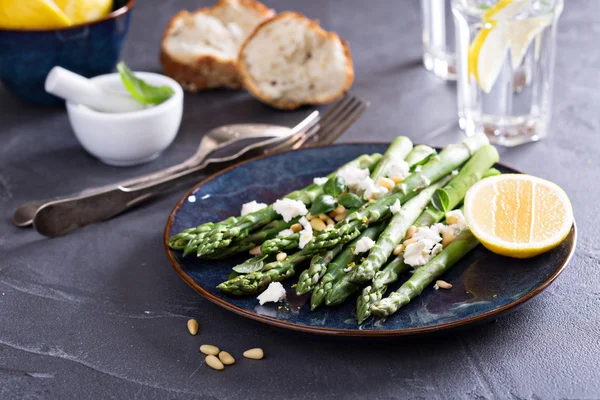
{"x": 396, "y": 207}
{"x": 251, "y": 207}
{"x": 364, "y": 244}
{"x": 306, "y": 234}
{"x": 399, "y": 168}
{"x": 285, "y": 233}
{"x": 426, "y": 180}
{"x": 347, "y": 269}
{"x": 436, "y": 287}
{"x": 273, "y": 294}
{"x": 459, "y": 223}
{"x": 320, "y": 181}
{"x": 353, "y": 175}
{"x": 418, "y": 168}
{"x": 426, "y": 247}
{"x": 455, "y": 172}
{"x": 460, "y": 218}
{"x": 371, "y": 189}
{"x": 289, "y": 209}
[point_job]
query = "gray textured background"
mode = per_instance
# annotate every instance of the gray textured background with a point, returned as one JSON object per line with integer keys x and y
{"x": 100, "y": 313}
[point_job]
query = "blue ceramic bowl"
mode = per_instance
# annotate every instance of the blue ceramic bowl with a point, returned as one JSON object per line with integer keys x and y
{"x": 26, "y": 56}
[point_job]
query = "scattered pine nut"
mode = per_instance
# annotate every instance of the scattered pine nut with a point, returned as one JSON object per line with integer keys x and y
{"x": 209, "y": 349}
{"x": 317, "y": 224}
{"x": 409, "y": 241}
{"x": 341, "y": 216}
{"x": 447, "y": 238}
{"x": 254, "y": 354}
{"x": 214, "y": 362}
{"x": 281, "y": 256}
{"x": 452, "y": 219}
{"x": 329, "y": 221}
{"x": 386, "y": 182}
{"x": 192, "y": 326}
{"x": 226, "y": 358}
{"x": 398, "y": 249}
{"x": 339, "y": 209}
{"x": 323, "y": 217}
{"x": 255, "y": 251}
{"x": 309, "y": 216}
{"x": 296, "y": 228}
{"x": 330, "y": 225}
{"x": 443, "y": 284}
{"x": 411, "y": 231}
{"x": 397, "y": 179}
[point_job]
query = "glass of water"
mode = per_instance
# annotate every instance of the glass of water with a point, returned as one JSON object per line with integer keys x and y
{"x": 505, "y": 64}
{"x": 438, "y": 38}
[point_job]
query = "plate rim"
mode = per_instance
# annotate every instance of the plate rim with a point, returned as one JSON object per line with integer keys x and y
{"x": 464, "y": 322}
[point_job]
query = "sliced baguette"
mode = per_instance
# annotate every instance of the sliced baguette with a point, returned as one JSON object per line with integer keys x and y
{"x": 290, "y": 61}
{"x": 200, "y": 49}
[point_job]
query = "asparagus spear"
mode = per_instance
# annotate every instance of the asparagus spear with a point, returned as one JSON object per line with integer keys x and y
{"x": 393, "y": 234}
{"x": 419, "y": 155}
{"x": 318, "y": 266}
{"x": 469, "y": 173}
{"x": 335, "y": 269}
{"x": 399, "y": 149}
{"x": 450, "y": 158}
{"x": 426, "y": 275}
{"x": 267, "y": 232}
{"x": 222, "y": 235}
{"x": 390, "y": 237}
{"x": 256, "y": 282}
{"x": 279, "y": 244}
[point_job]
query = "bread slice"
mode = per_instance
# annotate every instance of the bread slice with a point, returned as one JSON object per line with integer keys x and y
{"x": 290, "y": 61}
{"x": 200, "y": 49}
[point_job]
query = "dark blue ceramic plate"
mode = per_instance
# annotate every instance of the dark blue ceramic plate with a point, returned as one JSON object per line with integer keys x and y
{"x": 485, "y": 285}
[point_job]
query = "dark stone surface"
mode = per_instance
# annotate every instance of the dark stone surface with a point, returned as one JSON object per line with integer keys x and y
{"x": 100, "y": 313}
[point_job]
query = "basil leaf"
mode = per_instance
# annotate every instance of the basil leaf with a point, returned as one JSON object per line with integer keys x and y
{"x": 334, "y": 186}
{"x": 350, "y": 200}
{"x": 140, "y": 90}
{"x": 251, "y": 265}
{"x": 441, "y": 200}
{"x": 323, "y": 204}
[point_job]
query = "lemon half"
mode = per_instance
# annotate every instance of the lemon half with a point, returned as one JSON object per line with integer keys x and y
{"x": 32, "y": 14}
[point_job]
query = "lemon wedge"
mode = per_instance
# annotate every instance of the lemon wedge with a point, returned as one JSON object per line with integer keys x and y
{"x": 500, "y": 34}
{"x": 518, "y": 215}
{"x": 80, "y": 11}
{"x": 32, "y": 14}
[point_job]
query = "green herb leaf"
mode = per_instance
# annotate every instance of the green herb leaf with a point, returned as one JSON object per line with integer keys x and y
{"x": 140, "y": 90}
{"x": 251, "y": 265}
{"x": 422, "y": 162}
{"x": 323, "y": 204}
{"x": 334, "y": 186}
{"x": 350, "y": 200}
{"x": 441, "y": 200}
{"x": 233, "y": 275}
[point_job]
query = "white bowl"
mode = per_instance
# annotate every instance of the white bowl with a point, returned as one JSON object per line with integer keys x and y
{"x": 129, "y": 138}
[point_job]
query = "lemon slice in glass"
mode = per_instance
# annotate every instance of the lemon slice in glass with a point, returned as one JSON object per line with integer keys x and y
{"x": 32, "y": 14}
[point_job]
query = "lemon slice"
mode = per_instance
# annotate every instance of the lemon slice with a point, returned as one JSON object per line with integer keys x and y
{"x": 31, "y": 14}
{"x": 80, "y": 11}
{"x": 518, "y": 215}
{"x": 522, "y": 34}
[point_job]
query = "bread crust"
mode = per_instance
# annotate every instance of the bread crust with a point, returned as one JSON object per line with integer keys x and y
{"x": 205, "y": 71}
{"x": 250, "y": 85}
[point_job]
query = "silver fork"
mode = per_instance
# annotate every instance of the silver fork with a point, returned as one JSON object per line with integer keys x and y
{"x": 59, "y": 217}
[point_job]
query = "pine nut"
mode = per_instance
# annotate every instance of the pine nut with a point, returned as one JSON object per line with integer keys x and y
{"x": 386, "y": 182}
{"x": 398, "y": 249}
{"x": 397, "y": 179}
{"x": 254, "y": 354}
{"x": 447, "y": 238}
{"x": 409, "y": 241}
{"x": 411, "y": 231}
{"x": 226, "y": 358}
{"x": 329, "y": 221}
{"x": 309, "y": 216}
{"x": 281, "y": 256}
{"x": 341, "y": 216}
{"x": 330, "y": 225}
{"x": 296, "y": 228}
{"x": 193, "y": 326}
{"x": 317, "y": 224}
{"x": 209, "y": 349}
{"x": 255, "y": 251}
{"x": 339, "y": 209}
{"x": 323, "y": 217}
{"x": 452, "y": 219}
{"x": 443, "y": 284}
{"x": 214, "y": 363}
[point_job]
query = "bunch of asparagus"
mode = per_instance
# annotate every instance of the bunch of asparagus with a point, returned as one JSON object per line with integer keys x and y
{"x": 437, "y": 183}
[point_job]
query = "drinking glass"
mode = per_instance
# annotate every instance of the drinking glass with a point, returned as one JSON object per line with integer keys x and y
{"x": 438, "y": 38}
{"x": 505, "y": 63}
